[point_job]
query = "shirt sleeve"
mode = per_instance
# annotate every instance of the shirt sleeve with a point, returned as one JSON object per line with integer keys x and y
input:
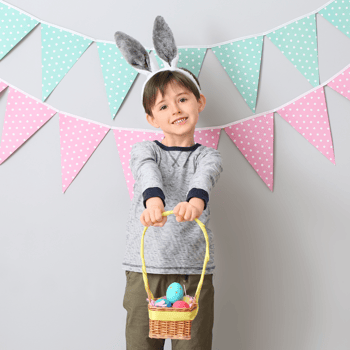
{"x": 145, "y": 170}
{"x": 208, "y": 169}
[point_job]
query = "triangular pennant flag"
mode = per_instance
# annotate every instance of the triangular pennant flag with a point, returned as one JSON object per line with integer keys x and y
{"x": 14, "y": 26}
{"x": 241, "y": 61}
{"x": 79, "y": 139}
{"x": 60, "y": 50}
{"x": 125, "y": 140}
{"x": 208, "y": 137}
{"x": 24, "y": 116}
{"x": 341, "y": 83}
{"x": 189, "y": 58}
{"x": 338, "y": 14}
{"x": 118, "y": 75}
{"x": 298, "y": 42}
{"x": 254, "y": 138}
{"x": 3, "y": 86}
{"x": 308, "y": 115}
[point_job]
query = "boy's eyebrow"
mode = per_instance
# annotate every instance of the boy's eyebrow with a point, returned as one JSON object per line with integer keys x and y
{"x": 186, "y": 93}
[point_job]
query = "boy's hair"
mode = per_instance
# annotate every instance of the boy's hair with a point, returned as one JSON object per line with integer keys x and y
{"x": 161, "y": 80}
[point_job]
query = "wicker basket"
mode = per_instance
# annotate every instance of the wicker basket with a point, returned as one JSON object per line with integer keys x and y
{"x": 169, "y": 322}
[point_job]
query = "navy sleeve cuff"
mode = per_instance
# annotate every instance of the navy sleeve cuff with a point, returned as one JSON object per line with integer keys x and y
{"x": 153, "y": 192}
{"x": 198, "y": 193}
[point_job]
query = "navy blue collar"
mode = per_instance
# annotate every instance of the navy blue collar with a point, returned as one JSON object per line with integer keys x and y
{"x": 177, "y": 148}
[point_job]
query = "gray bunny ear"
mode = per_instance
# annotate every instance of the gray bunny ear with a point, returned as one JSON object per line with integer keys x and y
{"x": 164, "y": 42}
{"x": 134, "y": 53}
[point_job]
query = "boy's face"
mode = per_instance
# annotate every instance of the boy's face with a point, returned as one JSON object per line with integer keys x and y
{"x": 177, "y": 103}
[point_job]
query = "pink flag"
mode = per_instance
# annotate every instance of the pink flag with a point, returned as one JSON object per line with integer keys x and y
{"x": 23, "y": 117}
{"x": 208, "y": 137}
{"x": 3, "y": 86}
{"x": 308, "y": 115}
{"x": 79, "y": 139}
{"x": 254, "y": 138}
{"x": 341, "y": 83}
{"x": 125, "y": 140}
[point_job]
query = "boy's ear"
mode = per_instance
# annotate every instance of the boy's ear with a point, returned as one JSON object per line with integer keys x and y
{"x": 202, "y": 102}
{"x": 152, "y": 121}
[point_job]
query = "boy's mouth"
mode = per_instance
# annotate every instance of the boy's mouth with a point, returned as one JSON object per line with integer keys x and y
{"x": 180, "y": 121}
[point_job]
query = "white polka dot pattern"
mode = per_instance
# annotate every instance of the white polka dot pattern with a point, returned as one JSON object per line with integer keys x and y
{"x": 14, "y": 26}
{"x": 308, "y": 115}
{"x": 338, "y": 13}
{"x": 60, "y": 50}
{"x": 24, "y": 116}
{"x": 254, "y": 138}
{"x": 118, "y": 75}
{"x": 191, "y": 59}
{"x": 298, "y": 42}
{"x": 79, "y": 139}
{"x": 126, "y": 138}
{"x": 241, "y": 61}
{"x": 341, "y": 83}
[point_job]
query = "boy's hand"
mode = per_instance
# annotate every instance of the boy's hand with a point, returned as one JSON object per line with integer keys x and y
{"x": 152, "y": 215}
{"x": 186, "y": 211}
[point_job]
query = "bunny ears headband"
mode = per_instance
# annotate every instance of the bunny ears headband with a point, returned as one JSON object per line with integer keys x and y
{"x": 164, "y": 44}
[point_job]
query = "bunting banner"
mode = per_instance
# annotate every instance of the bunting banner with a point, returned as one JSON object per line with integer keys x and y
{"x": 254, "y": 138}
{"x": 60, "y": 50}
{"x": 240, "y": 58}
{"x": 341, "y": 83}
{"x": 14, "y": 26}
{"x": 241, "y": 61}
{"x": 79, "y": 139}
{"x": 338, "y": 14}
{"x": 24, "y": 116}
{"x": 309, "y": 116}
{"x": 118, "y": 75}
{"x": 189, "y": 58}
{"x": 298, "y": 42}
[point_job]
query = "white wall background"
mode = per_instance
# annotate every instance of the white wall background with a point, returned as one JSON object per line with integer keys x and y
{"x": 282, "y": 258}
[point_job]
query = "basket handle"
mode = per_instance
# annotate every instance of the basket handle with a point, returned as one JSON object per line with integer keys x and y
{"x": 206, "y": 259}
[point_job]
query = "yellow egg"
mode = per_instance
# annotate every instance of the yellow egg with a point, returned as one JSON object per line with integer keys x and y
{"x": 187, "y": 299}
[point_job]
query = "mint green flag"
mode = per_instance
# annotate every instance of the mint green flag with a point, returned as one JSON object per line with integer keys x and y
{"x": 14, "y": 26}
{"x": 338, "y": 14}
{"x": 60, "y": 50}
{"x": 189, "y": 58}
{"x": 118, "y": 75}
{"x": 241, "y": 61}
{"x": 298, "y": 42}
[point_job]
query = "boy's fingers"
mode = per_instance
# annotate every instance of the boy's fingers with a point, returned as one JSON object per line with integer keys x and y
{"x": 148, "y": 219}
{"x": 159, "y": 216}
{"x": 188, "y": 214}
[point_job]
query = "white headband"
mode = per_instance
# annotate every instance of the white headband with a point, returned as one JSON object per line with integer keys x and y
{"x": 155, "y": 69}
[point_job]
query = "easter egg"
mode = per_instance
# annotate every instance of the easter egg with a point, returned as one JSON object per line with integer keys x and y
{"x": 174, "y": 292}
{"x": 180, "y": 304}
{"x": 187, "y": 299}
{"x": 162, "y": 303}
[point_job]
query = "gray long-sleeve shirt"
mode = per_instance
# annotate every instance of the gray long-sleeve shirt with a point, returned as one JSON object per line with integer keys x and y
{"x": 175, "y": 174}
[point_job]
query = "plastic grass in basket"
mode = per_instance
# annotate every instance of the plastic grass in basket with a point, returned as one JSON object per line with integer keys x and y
{"x": 172, "y": 322}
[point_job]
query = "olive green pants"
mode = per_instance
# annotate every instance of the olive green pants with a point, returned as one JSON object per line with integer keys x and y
{"x": 137, "y": 320}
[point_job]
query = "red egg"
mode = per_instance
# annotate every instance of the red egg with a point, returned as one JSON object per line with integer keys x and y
{"x": 180, "y": 304}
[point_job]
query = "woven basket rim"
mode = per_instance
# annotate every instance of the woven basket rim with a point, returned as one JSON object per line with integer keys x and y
{"x": 172, "y": 309}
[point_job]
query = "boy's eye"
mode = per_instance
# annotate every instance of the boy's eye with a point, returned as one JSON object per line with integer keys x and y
{"x": 183, "y": 98}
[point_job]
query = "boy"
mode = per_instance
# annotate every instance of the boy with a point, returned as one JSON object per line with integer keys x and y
{"x": 175, "y": 174}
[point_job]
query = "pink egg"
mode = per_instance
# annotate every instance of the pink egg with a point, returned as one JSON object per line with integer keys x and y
{"x": 180, "y": 304}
